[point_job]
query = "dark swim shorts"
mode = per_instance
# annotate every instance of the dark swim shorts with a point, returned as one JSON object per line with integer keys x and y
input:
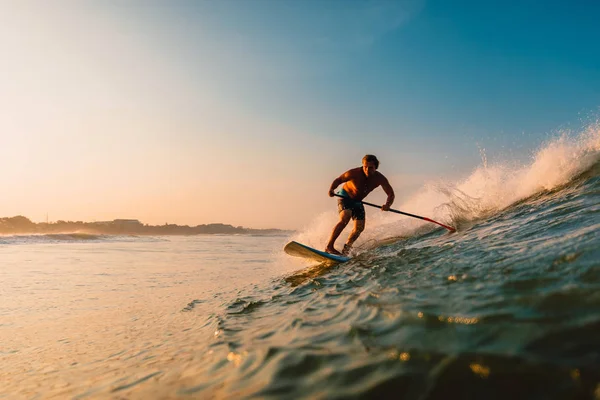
{"x": 358, "y": 209}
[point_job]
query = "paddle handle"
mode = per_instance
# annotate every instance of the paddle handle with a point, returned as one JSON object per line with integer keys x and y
{"x": 451, "y": 229}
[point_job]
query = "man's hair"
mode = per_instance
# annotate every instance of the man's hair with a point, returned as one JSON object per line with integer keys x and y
{"x": 371, "y": 158}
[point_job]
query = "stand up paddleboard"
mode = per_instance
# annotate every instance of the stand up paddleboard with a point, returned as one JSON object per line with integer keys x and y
{"x": 301, "y": 250}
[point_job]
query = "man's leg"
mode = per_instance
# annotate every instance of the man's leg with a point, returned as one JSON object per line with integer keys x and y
{"x": 345, "y": 216}
{"x": 359, "y": 226}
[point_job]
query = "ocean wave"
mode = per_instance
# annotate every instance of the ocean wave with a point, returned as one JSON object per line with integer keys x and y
{"x": 511, "y": 297}
{"x": 491, "y": 188}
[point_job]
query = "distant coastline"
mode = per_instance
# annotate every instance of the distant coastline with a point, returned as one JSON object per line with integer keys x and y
{"x": 23, "y": 225}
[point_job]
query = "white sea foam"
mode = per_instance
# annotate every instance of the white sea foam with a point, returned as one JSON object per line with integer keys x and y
{"x": 494, "y": 187}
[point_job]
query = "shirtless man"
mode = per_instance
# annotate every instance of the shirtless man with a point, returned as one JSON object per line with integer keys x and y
{"x": 358, "y": 183}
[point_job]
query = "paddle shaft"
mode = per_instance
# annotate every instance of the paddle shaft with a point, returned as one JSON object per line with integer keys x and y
{"x": 451, "y": 229}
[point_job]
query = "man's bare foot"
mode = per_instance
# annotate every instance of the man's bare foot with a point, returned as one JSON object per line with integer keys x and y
{"x": 346, "y": 250}
{"x": 331, "y": 250}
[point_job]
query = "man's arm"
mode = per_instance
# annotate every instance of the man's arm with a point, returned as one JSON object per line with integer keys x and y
{"x": 387, "y": 188}
{"x": 345, "y": 177}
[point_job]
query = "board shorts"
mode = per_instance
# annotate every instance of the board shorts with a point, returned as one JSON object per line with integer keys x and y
{"x": 357, "y": 208}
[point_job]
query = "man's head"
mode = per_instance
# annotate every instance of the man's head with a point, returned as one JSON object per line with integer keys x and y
{"x": 370, "y": 164}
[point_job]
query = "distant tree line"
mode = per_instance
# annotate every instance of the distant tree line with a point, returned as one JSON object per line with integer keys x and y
{"x": 22, "y": 225}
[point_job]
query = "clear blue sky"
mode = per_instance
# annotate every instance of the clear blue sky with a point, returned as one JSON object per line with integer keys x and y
{"x": 174, "y": 110}
{"x": 447, "y": 69}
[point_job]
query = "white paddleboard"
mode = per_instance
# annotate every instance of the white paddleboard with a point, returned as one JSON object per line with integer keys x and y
{"x": 301, "y": 250}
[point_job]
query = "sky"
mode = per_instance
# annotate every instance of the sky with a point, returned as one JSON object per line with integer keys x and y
{"x": 244, "y": 111}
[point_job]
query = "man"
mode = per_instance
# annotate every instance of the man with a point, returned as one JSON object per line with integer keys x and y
{"x": 358, "y": 183}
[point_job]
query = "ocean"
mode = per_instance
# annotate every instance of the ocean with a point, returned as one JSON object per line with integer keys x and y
{"x": 506, "y": 307}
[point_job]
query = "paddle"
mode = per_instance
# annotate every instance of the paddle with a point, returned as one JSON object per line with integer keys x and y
{"x": 451, "y": 229}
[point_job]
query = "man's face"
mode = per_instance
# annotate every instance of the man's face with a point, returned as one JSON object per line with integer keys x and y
{"x": 369, "y": 168}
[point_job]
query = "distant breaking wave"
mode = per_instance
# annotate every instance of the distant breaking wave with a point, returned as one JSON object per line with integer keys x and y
{"x": 73, "y": 236}
{"x": 69, "y": 238}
